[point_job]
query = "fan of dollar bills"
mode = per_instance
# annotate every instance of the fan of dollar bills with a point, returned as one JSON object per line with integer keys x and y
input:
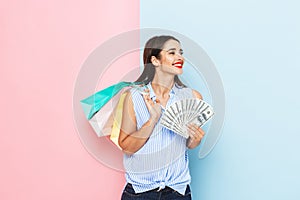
{"x": 181, "y": 113}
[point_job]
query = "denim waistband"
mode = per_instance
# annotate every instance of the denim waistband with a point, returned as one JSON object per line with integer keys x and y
{"x": 166, "y": 189}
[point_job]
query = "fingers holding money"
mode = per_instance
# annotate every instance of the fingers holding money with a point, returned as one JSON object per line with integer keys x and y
{"x": 195, "y": 132}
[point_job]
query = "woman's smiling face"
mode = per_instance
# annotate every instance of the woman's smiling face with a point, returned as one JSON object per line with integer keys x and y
{"x": 171, "y": 59}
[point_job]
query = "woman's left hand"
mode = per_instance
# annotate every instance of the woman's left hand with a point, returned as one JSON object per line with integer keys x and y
{"x": 196, "y": 134}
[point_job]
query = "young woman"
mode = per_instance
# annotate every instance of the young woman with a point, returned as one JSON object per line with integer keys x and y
{"x": 155, "y": 158}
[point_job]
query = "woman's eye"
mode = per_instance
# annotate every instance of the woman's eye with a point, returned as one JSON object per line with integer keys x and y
{"x": 173, "y": 52}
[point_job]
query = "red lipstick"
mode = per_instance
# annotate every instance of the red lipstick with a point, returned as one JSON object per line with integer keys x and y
{"x": 178, "y": 64}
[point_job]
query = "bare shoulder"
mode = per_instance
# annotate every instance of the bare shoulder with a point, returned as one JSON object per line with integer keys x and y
{"x": 126, "y": 91}
{"x": 128, "y": 124}
{"x": 197, "y": 94}
{"x": 128, "y": 98}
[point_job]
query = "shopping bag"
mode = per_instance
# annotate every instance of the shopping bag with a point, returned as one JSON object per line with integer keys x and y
{"x": 92, "y": 104}
{"x": 99, "y": 112}
{"x": 114, "y": 136}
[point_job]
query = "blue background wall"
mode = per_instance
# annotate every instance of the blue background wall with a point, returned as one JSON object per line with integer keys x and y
{"x": 255, "y": 46}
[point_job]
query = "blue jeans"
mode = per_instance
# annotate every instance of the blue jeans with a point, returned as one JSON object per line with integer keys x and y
{"x": 164, "y": 194}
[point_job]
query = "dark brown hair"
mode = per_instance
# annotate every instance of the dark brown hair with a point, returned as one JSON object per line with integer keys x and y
{"x": 153, "y": 47}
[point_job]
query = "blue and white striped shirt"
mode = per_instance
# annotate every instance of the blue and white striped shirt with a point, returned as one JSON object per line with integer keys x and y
{"x": 163, "y": 159}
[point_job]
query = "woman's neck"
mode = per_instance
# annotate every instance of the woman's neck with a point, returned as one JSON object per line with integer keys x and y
{"x": 162, "y": 85}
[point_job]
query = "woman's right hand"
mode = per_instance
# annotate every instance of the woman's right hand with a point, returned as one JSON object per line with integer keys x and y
{"x": 154, "y": 108}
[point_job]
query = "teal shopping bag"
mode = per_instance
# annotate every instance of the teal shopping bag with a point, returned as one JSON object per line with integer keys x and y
{"x": 92, "y": 104}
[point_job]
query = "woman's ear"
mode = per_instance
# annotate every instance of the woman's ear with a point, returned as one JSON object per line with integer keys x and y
{"x": 155, "y": 61}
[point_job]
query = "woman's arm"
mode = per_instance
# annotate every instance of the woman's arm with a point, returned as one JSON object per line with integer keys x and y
{"x": 196, "y": 133}
{"x": 130, "y": 139}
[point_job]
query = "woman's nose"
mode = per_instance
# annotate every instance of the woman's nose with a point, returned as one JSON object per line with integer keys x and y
{"x": 179, "y": 56}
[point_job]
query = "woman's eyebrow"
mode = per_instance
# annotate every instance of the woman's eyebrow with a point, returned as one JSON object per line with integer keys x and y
{"x": 174, "y": 49}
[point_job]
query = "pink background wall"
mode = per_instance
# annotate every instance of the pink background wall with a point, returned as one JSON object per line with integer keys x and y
{"x": 42, "y": 46}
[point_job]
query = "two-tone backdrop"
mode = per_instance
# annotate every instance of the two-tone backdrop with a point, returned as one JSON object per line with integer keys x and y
{"x": 254, "y": 45}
